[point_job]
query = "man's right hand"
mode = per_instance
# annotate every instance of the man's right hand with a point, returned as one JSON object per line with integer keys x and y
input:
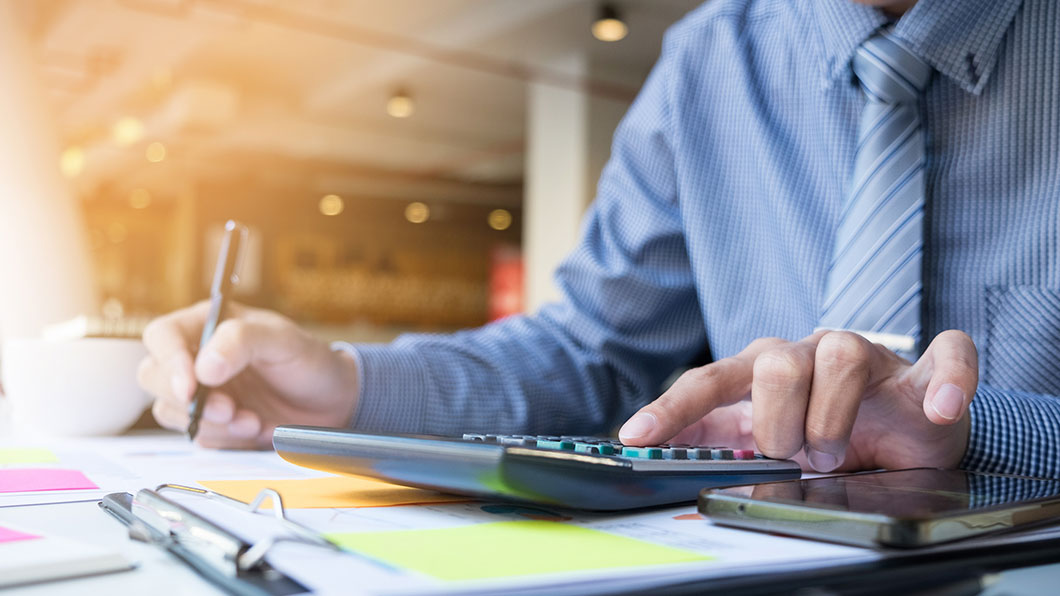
{"x": 264, "y": 370}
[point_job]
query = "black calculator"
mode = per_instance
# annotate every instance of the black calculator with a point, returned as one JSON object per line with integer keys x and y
{"x": 568, "y": 471}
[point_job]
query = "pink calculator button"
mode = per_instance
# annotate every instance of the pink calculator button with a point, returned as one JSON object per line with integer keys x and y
{"x": 743, "y": 453}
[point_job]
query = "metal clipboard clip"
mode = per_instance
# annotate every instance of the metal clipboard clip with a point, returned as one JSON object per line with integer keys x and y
{"x": 216, "y": 553}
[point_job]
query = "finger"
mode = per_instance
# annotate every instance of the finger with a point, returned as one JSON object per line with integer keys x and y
{"x": 780, "y": 393}
{"x": 243, "y": 431}
{"x": 844, "y": 365}
{"x": 953, "y": 365}
{"x": 219, "y": 409}
{"x": 169, "y": 339}
{"x": 153, "y": 378}
{"x": 259, "y": 337}
{"x": 170, "y": 415}
{"x": 693, "y": 396}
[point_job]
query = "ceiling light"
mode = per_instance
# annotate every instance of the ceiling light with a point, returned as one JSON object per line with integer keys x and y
{"x": 127, "y": 131}
{"x": 400, "y": 105}
{"x": 331, "y": 205}
{"x": 499, "y": 219}
{"x": 417, "y": 212}
{"x": 72, "y": 162}
{"x": 139, "y": 198}
{"x": 609, "y": 26}
{"x": 156, "y": 152}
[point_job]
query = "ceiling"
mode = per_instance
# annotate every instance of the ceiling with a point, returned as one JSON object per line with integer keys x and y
{"x": 292, "y": 95}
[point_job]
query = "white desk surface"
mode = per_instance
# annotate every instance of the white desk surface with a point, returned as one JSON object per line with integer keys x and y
{"x": 158, "y": 572}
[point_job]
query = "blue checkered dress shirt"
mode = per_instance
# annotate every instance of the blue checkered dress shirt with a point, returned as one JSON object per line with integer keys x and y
{"x": 714, "y": 225}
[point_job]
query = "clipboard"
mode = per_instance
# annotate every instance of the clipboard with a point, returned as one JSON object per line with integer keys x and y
{"x": 218, "y": 555}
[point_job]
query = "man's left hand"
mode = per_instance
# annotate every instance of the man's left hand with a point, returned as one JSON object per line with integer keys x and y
{"x": 849, "y": 404}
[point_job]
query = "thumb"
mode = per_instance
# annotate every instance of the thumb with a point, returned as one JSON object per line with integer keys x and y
{"x": 238, "y": 343}
{"x": 953, "y": 365}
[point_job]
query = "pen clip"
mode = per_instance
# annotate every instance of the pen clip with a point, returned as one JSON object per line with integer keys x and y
{"x": 241, "y": 256}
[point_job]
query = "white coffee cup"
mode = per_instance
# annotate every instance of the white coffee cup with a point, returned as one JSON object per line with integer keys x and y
{"x": 78, "y": 387}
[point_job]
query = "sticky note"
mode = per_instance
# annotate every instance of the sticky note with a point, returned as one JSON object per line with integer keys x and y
{"x": 35, "y": 479}
{"x": 26, "y": 455}
{"x": 330, "y": 491}
{"x": 506, "y": 549}
{"x": 8, "y": 535}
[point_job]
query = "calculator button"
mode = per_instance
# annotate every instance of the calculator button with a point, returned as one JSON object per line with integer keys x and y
{"x": 599, "y": 449}
{"x": 518, "y": 441}
{"x": 721, "y": 454}
{"x": 698, "y": 453}
{"x": 642, "y": 452}
{"x": 557, "y": 444}
{"x": 743, "y": 454}
{"x": 473, "y": 437}
{"x": 674, "y": 453}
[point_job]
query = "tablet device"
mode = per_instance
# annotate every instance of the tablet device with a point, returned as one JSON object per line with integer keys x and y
{"x": 902, "y": 508}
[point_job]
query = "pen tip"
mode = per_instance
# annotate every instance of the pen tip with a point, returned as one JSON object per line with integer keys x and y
{"x": 193, "y": 429}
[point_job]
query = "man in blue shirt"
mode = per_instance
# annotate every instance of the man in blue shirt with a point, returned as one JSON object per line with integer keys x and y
{"x": 722, "y": 221}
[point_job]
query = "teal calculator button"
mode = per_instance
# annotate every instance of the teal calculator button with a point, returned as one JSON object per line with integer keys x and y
{"x": 600, "y": 448}
{"x": 558, "y": 444}
{"x": 642, "y": 452}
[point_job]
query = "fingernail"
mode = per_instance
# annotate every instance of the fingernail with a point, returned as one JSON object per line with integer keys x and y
{"x": 638, "y": 426}
{"x": 948, "y": 401}
{"x": 821, "y": 461}
{"x": 211, "y": 364}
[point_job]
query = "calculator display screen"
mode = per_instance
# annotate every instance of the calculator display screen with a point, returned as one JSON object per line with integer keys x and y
{"x": 911, "y": 494}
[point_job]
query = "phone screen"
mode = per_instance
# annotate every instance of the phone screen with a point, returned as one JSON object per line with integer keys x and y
{"x": 920, "y": 493}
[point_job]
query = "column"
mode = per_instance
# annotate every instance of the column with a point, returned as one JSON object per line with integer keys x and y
{"x": 568, "y": 141}
{"x": 45, "y": 273}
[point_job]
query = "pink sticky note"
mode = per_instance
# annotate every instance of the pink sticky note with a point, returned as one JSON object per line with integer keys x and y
{"x": 7, "y": 535}
{"x": 34, "y": 479}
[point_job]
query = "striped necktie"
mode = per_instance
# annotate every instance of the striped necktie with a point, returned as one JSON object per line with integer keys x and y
{"x": 874, "y": 282}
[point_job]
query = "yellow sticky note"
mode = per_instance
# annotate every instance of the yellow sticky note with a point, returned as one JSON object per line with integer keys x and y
{"x": 26, "y": 455}
{"x": 330, "y": 491}
{"x": 506, "y": 549}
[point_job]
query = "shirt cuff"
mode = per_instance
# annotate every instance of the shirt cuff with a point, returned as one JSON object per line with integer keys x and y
{"x": 1013, "y": 433}
{"x": 393, "y": 385}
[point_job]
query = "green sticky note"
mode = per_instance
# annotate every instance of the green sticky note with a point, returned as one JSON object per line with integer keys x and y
{"x": 26, "y": 455}
{"x": 506, "y": 549}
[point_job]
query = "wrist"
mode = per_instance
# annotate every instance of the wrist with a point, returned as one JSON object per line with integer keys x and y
{"x": 349, "y": 379}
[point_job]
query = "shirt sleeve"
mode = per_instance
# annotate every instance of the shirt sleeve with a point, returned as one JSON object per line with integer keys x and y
{"x": 1014, "y": 432}
{"x": 628, "y": 316}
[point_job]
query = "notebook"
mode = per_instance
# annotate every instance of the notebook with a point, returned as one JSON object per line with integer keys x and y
{"x": 27, "y": 557}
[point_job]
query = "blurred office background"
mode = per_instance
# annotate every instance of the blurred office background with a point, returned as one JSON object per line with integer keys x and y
{"x": 403, "y": 165}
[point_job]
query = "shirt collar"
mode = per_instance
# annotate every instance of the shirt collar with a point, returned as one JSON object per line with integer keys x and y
{"x": 959, "y": 38}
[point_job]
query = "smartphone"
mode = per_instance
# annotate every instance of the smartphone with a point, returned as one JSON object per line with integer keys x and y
{"x": 900, "y": 508}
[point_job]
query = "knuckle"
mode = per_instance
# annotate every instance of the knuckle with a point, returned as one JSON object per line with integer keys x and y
{"x": 153, "y": 330}
{"x": 232, "y": 332}
{"x": 842, "y": 350}
{"x": 765, "y": 343}
{"x": 703, "y": 375}
{"x": 782, "y": 366}
{"x": 164, "y": 414}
